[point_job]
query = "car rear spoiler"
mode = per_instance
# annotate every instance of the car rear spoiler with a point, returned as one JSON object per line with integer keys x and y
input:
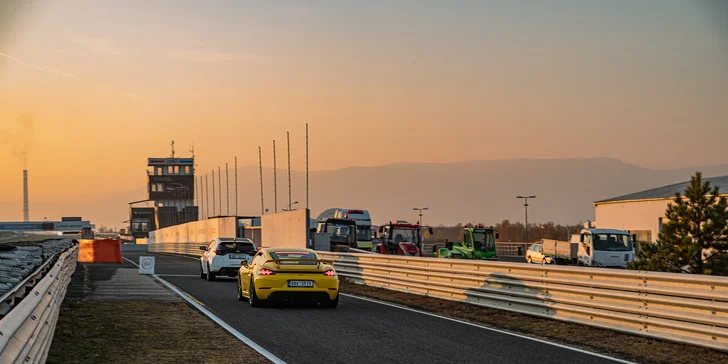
{"x": 278, "y": 261}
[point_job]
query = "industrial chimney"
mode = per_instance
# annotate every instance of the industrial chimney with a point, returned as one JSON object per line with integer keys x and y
{"x": 26, "y": 212}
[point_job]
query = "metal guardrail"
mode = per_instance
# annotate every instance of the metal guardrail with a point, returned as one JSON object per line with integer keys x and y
{"x": 511, "y": 249}
{"x": 26, "y": 332}
{"x": 676, "y": 307}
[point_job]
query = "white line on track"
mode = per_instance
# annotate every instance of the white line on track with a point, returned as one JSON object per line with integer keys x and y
{"x": 489, "y": 328}
{"x": 178, "y": 275}
{"x": 217, "y": 320}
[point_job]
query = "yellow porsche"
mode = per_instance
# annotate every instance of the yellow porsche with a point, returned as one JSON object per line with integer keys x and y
{"x": 288, "y": 275}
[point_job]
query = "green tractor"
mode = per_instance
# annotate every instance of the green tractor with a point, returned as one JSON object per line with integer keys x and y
{"x": 478, "y": 244}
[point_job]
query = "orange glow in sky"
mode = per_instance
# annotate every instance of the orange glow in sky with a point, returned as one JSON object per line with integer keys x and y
{"x": 93, "y": 88}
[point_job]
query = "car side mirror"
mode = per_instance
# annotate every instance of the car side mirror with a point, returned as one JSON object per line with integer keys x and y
{"x": 429, "y": 230}
{"x": 203, "y": 248}
{"x": 581, "y": 238}
{"x": 497, "y": 236}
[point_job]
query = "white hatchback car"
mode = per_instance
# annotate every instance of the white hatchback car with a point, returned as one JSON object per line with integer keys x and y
{"x": 534, "y": 254}
{"x": 222, "y": 257}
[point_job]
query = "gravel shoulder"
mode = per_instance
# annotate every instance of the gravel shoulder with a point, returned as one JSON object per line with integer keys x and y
{"x": 143, "y": 332}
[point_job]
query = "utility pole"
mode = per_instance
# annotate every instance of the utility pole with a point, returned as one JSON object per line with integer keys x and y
{"x": 288, "y": 137}
{"x": 306, "y": 165}
{"x": 275, "y": 180}
{"x": 526, "y": 206}
{"x": 219, "y": 187}
{"x": 214, "y": 211}
{"x": 227, "y": 190}
{"x": 207, "y": 199}
{"x": 201, "y": 209}
{"x": 236, "y": 187}
{"x": 260, "y": 163}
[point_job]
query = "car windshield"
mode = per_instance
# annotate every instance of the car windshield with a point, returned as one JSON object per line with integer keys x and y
{"x": 363, "y": 233}
{"x": 340, "y": 233}
{"x": 612, "y": 242}
{"x": 235, "y": 247}
{"x": 294, "y": 255}
{"x": 483, "y": 241}
{"x": 405, "y": 235}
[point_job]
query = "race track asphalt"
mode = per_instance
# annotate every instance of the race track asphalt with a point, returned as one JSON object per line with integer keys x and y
{"x": 358, "y": 331}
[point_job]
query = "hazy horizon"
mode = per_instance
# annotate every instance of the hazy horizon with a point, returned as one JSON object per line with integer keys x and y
{"x": 89, "y": 90}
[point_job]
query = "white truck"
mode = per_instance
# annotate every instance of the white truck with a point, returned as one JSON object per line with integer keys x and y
{"x": 361, "y": 218}
{"x": 559, "y": 252}
{"x": 604, "y": 247}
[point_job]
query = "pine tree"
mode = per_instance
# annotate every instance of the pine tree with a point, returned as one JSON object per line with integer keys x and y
{"x": 695, "y": 237}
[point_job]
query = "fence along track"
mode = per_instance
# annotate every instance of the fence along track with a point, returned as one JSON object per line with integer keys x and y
{"x": 26, "y": 332}
{"x": 676, "y": 307}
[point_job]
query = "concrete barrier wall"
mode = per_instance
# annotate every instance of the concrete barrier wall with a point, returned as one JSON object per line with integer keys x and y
{"x": 187, "y": 238}
{"x": 289, "y": 229}
{"x": 199, "y": 232}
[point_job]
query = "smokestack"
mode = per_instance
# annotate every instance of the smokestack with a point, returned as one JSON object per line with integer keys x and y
{"x": 26, "y": 212}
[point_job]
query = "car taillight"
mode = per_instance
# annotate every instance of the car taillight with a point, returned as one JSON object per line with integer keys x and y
{"x": 266, "y": 272}
{"x": 218, "y": 252}
{"x": 330, "y": 273}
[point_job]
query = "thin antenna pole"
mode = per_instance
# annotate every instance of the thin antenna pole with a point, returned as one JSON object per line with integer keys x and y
{"x": 260, "y": 163}
{"x": 288, "y": 137}
{"x": 307, "y": 165}
{"x": 227, "y": 190}
{"x": 219, "y": 187}
{"x": 207, "y": 200}
{"x": 214, "y": 211}
{"x": 275, "y": 180}
{"x": 173, "y": 149}
{"x": 236, "y": 187}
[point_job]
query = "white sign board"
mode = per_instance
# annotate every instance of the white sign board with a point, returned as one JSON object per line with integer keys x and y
{"x": 146, "y": 265}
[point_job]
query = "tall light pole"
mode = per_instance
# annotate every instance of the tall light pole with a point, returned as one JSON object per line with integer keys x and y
{"x": 290, "y": 205}
{"x": 420, "y": 209}
{"x": 526, "y": 206}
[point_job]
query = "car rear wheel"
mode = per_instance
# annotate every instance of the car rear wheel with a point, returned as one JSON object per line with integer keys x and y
{"x": 252, "y": 297}
{"x": 240, "y": 291}
{"x": 332, "y": 303}
{"x": 210, "y": 275}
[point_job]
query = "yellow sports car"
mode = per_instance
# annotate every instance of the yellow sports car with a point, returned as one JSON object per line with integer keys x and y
{"x": 288, "y": 275}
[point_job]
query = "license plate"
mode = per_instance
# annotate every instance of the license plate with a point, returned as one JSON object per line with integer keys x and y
{"x": 237, "y": 256}
{"x": 304, "y": 284}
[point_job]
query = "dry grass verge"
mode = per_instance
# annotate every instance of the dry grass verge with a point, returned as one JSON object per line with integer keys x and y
{"x": 143, "y": 332}
{"x": 607, "y": 342}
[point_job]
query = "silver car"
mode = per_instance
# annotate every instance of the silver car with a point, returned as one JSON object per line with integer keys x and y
{"x": 534, "y": 254}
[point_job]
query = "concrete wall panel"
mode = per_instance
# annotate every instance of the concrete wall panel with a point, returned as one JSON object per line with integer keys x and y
{"x": 289, "y": 229}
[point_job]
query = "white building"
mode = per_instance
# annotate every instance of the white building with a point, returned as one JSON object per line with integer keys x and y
{"x": 642, "y": 213}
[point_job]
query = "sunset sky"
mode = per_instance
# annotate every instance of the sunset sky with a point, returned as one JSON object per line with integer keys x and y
{"x": 93, "y": 88}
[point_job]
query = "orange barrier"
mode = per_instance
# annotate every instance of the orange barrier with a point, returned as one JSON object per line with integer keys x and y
{"x": 99, "y": 251}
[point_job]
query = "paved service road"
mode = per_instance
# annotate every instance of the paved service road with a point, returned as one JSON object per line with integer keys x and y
{"x": 358, "y": 331}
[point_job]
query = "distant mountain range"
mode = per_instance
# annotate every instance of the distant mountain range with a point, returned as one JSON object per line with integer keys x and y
{"x": 473, "y": 191}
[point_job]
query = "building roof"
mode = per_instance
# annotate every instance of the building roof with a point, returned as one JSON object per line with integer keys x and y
{"x": 667, "y": 192}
